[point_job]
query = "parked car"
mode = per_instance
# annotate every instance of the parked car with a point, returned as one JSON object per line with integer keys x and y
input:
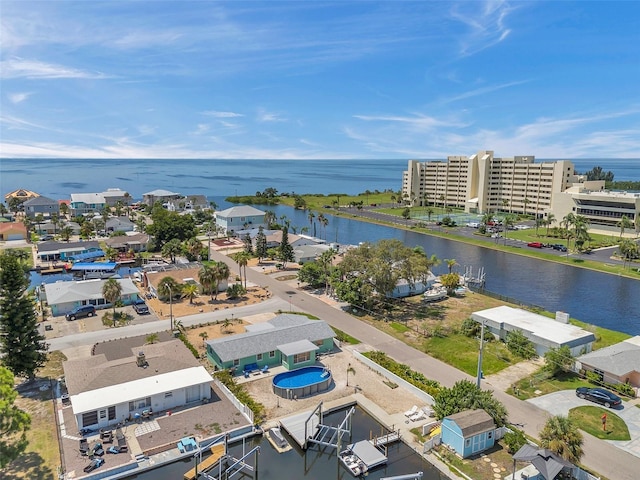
{"x": 534, "y": 244}
{"x": 599, "y": 395}
{"x": 141, "y": 308}
{"x": 559, "y": 246}
{"x": 81, "y": 312}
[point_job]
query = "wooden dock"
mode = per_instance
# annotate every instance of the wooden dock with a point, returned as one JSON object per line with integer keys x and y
{"x": 301, "y": 427}
{"x": 217, "y": 452}
{"x": 385, "y": 439}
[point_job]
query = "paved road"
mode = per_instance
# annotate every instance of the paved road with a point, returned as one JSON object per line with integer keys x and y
{"x": 599, "y": 456}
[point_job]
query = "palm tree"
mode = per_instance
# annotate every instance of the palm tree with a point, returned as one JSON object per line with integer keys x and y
{"x": 539, "y": 223}
{"x": 193, "y": 247}
{"x": 580, "y": 231}
{"x": 429, "y": 213}
{"x": 326, "y": 262}
{"x": 242, "y": 259}
{"x": 204, "y": 336}
{"x": 451, "y": 262}
{"x": 551, "y": 219}
{"x": 152, "y": 338}
{"x": 561, "y": 436}
{"x": 64, "y": 209}
{"x": 172, "y": 249}
{"x": 221, "y": 272}
{"x": 190, "y": 291}
{"x": 624, "y": 223}
{"x": 311, "y": 216}
{"x": 628, "y": 250}
{"x": 39, "y": 221}
{"x": 225, "y": 325}
{"x": 508, "y": 221}
{"x": 206, "y": 277}
{"x": 66, "y": 233}
{"x": 111, "y": 253}
{"x": 487, "y": 218}
{"x": 568, "y": 221}
{"x": 324, "y": 221}
{"x": 321, "y": 219}
{"x": 168, "y": 288}
{"x": 112, "y": 291}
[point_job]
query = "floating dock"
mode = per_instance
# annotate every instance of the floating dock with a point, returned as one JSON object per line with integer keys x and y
{"x": 368, "y": 456}
{"x": 301, "y": 427}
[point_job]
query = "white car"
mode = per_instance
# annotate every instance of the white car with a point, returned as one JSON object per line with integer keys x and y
{"x": 473, "y": 225}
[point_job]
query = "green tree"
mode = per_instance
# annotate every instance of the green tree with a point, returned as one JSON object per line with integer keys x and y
{"x": 520, "y": 345}
{"x": 465, "y": 395}
{"x": 557, "y": 360}
{"x": 151, "y": 338}
{"x": 172, "y": 249}
{"x": 169, "y": 287}
{"x": 551, "y": 219}
{"x": 451, "y": 262}
{"x": 206, "y": 277}
{"x": 562, "y": 437}
{"x": 66, "y": 233}
{"x": 623, "y": 224}
{"x": 193, "y": 249}
{"x": 14, "y": 423}
{"x": 168, "y": 225}
{"x": 22, "y": 347}
{"x": 450, "y": 281}
{"x": 406, "y": 213}
{"x": 248, "y": 244}
{"x": 242, "y": 259}
{"x": 112, "y": 292}
{"x": 204, "y": 336}
{"x": 628, "y": 250}
{"x": 261, "y": 244}
{"x": 190, "y": 291}
{"x": 285, "y": 250}
{"x": 313, "y": 274}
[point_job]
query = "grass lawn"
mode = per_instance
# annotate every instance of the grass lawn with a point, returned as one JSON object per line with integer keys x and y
{"x": 477, "y": 467}
{"x": 589, "y": 419}
{"x": 541, "y": 382}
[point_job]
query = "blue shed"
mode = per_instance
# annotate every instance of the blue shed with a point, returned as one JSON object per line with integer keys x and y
{"x": 468, "y": 432}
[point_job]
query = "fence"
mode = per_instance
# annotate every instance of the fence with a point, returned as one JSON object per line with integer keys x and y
{"x": 504, "y": 298}
{"x": 394, "y": 378}
{"x": 232, "y": 398}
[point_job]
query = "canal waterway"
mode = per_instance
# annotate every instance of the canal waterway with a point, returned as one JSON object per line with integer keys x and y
{"x": 609, "y": 301}
{"x": 315, "y": 463}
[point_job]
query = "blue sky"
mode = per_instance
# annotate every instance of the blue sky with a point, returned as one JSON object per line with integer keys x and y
{"x": 313, "y": 80}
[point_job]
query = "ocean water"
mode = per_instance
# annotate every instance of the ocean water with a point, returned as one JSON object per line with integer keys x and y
{"x": 58, "y": 178}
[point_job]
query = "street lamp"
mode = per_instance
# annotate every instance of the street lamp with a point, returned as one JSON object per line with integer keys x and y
{"x": 170, "y": 306}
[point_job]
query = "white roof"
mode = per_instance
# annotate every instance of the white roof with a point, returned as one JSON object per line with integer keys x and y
{"x": 160, "y": 193}
{"x": 539, "y": 326}
{"x": 145, "y": 387}
{"x": 87, "y": 198}
{"x": 74, "y": 291}
{"x": 240, "y": 211}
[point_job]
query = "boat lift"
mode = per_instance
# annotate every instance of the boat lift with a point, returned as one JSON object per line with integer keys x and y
{"x": 410, "y": 476}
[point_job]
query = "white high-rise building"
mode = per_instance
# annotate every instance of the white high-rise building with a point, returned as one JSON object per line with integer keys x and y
{"x": 483, "y": 183}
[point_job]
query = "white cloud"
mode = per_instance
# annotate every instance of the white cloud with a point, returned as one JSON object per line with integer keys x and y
{"x": 19, "y": 97}
{"x": 219, "y": 114}
{"x": 264, "y": 116}
{"x": 201, "y": 129}
{"x": 486, "y": 22}
{"x": 19, "y": 68}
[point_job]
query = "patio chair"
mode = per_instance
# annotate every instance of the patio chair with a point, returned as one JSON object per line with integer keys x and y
{"x": 411, "y": 412}
{"x": 419, "y": 415}
{"x": 265, "y": 369}
{"x": 246, "y": 374}
{"x": 84, "y": 447}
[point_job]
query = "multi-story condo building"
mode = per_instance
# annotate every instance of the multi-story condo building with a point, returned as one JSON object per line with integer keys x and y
{"x": 483, "y": 183}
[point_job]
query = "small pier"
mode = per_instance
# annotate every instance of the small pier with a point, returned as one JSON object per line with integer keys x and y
{"x": 307, "y": 427}
{"x": 385, "y": 439}
{"x": 217, "y": 452}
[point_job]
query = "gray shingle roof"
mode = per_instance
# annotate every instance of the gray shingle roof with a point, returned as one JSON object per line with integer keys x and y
{"x": 618, "y": 359}
{"x": 285, "y": 328}
{"x": 472, "y": 422}
{"x": 40, "y": 201}
{"x": 55, "y": 246}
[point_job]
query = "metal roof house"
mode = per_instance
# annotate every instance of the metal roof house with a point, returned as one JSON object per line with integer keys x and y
{"x": 619, "y": 363}
{"x": 241, "y": 217}
{"x": 52, "y": 251}
{"x": 63, "y": 297}
{"x": 292, "y": 341}
{"x": 544, "y": 332}
{"x": 122, "y": 383}
{"x": 468, "y": 432}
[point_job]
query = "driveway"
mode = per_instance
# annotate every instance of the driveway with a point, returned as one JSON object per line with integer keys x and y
{"x": 559, "y": 403}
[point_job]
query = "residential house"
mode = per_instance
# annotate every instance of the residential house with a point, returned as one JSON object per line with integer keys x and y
{"x": 405, "y": 289}
{"x": 309, "y": 253}
{"x": 292, "y": 341}
{"x": 21, "y": 195}
{"x": 136, "y": 242}
{"x": 12, "y": 231}
{"x": 113, "y": 196}
{"x": 159, "y": 195}
{"x": 62, "y": 297}
{"x": 41, "y": 205}
{"x": 468, "y": 432}
{"x": 82, "y": 203}
{"x": 119, "y": 224}
{"x": 53, "y": 251}
{"x": 181, "y": 273}
{"x": 618, "y": 363}
{"x": 238, "y": 218}
{"x": 125, "y": 381}
{"x": 544, "y": 332}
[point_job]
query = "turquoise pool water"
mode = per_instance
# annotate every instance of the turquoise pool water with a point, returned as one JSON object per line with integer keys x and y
{"x": 301, "y": 377}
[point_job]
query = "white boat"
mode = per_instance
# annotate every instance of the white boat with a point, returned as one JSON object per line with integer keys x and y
{"x": 276, "y": 436}
{"x": 356, "y": 466}
{"x": 434, "y": 294}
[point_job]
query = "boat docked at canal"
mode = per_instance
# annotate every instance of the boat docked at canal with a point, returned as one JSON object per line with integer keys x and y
{"x": 360, "y": 457}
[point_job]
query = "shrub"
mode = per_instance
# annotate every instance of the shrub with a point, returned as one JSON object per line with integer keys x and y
{"x": 235, "y": 291}
{"x": 241, "y": 394}
{"x": 470, "y": 328}
{"x": 520, "y": 345}
{"x": 404, "y": 371}
{"x": 514, "y": 440}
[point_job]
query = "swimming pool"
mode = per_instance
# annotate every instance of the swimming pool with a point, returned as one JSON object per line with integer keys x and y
{"x": 302, "y": 382}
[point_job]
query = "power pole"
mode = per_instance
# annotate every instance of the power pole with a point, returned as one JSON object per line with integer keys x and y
{"x": 479, "y": 375}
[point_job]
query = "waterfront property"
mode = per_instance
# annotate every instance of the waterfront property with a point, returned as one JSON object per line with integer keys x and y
{"x": 136, "y": 242}
{"x": 159, "y": 195}
{"x": 128, "y": 381}
{"x": 63, "y": 297}
{"x": 619, "y": 363}
{"x": 292, "y": 341}
{"x": 468, "y": 432}
{"x": 183, "y": 273}
{"x": 82, "y": 203}
{"x": 41, "y": 205}
{"x": 240, "y": 217}
{"x": 53, "y": 251}
{"x": 544, "y": 332}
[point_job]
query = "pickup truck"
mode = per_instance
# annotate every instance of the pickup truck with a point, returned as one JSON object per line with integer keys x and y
{"x": 141, "y": 308}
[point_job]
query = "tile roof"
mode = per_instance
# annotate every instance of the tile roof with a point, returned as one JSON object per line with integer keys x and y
{"x": 261, "y": 338}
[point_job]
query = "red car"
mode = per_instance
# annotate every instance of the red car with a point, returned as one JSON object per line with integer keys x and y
{"x": 534, "y": 244}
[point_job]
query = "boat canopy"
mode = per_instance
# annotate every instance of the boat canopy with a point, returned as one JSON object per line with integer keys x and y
{"x": 94, "y": 267}
{"x": 87, "y": 255}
